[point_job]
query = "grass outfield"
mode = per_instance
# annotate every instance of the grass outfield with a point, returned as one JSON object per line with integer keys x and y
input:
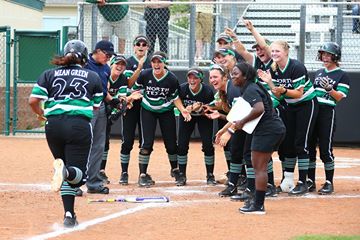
{"x": 319, "y": 237}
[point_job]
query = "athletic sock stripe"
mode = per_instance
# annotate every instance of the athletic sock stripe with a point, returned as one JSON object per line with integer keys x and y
{"x": 227, "y": 155}
{"x": 303, "y": 164}
{"x": 144, "y": 159}
{"x": 290, "y": 162}
{"x": 172, "y": 157}
{"x": 182, "y": 159}
{"x": 270, "y": 167}
{"x": 329, "y": 166}
{"x": 283, "y": 165}
{"x": 209, "y": 160}
{"x": 312, "y": 164}
{"x": 67, "y": 190}
{"x": 250, "y": 173}
{"x": 124, "y": 158}
{"x": 235, "y": 167}
{"x": 105, "y": 155}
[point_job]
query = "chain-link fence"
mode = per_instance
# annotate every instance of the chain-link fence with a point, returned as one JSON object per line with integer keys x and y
{"x": 188, "y": 31}
{"x": 5, "y": 80}
{"x": 33, "y": 52}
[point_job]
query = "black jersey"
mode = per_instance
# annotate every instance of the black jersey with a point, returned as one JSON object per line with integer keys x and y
{"x": 132, "y": 64}
{"x": 71, "y": 90}
{"x": 270, "y": 123}
{"x": 338, "y": 78}
{"x": 188, "y": 97}
{"x": 232, "y": 92}
{"x": 158, "y": 94}
{"x": 118, "y": 87}
{"x": 258, "y": 64}
{"x": 294, "y": 76}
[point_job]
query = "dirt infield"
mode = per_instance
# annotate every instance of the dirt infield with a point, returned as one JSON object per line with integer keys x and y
{"x": 30, "y": 210}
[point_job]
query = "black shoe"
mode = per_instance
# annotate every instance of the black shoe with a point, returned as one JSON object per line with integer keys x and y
{"x": 253, "y": 209}
{"x": 278, "y": 190}
{"x": 150, "y": 180}
{"x": 270, "y": 191}
{"x": 299, "y": 190}
{"x": 242, "y": 183}
{"x": 124, "y": 178}
{"x": 78, "y": 192}
{"x": 210, "y": 179}
{"x": 181, "y": 180}
{"x": 175, "y": 173}
{"x": 103, "y": 177}
{"x": 70, "y": 221}
{"x": 242, "y": 196}
{"x": 327, "y": 188}
{"x": 99, "y": 190}
{"x": 311, "y": 185}
{"x": 230, "y": 190}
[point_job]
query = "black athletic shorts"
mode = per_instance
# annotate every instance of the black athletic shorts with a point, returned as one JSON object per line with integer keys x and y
{"x": 266, "y": 143}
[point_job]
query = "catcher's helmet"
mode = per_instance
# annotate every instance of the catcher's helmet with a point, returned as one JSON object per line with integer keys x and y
{"x": 78, "y": 48}
{"x": 332, "y": 48}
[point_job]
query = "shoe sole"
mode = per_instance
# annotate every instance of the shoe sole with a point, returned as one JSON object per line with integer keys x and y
{"x": 298, "y": 195}
{"x": 321, "y": 193}
{"x": 58, "y": 177}
{"x": 124, "y": 183}
{"x": 253, "y": 213}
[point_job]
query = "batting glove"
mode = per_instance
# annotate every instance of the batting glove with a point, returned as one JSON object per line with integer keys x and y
{"x": 324, "y": 83}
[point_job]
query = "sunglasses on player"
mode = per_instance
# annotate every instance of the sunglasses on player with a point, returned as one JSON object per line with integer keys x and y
{"x": 141, "y": 44}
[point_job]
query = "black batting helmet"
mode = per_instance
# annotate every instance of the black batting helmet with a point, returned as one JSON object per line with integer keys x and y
{"x": 332, "y": 48}
{"x": 78, "y": 48}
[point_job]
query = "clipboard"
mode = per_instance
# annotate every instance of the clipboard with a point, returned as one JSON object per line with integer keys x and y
{"x": 241, "y": 109}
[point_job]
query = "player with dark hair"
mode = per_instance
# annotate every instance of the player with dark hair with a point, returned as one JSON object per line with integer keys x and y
{"x": 194, "y": 94}
{"x": 289, "y": 78}
{"x": 70, "y": 93}
{"x": 135, "y": 64}
{"x": 118, "y": 89}
{"x": 266, "y": 137}
{"x": 160, "y": 93}
{"x": 331, "y": 86}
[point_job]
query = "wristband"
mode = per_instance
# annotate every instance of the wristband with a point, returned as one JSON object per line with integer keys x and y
{"x": 231, "y": 131}
{"x": 285, "y": 91}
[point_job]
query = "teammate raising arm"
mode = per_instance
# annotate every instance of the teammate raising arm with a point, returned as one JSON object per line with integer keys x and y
{"x": 161, "y": 93}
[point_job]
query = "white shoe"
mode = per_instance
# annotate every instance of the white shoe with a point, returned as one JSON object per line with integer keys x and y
{"x": 59, "y": 175}
{"x": 287, "y": 183}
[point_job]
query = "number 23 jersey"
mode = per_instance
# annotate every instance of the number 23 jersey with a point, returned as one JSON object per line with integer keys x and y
{"x": 70, "y": 90}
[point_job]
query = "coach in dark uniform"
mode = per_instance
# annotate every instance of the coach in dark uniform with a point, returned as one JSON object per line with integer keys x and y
{"x": 161, "y": 93}
{"x": 70, "y": 94}
{"x": 194, "y": 94}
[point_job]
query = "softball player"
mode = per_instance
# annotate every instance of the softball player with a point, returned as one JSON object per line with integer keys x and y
{"x": 331, "y": 86}
{"x": 117, "y": 87}
{"x": 289, "y": 78}
{"x": 70, "y": 94}
{"x": 135, "y": 64}
{"x": 226, "y": 93}
{"x": 160, "y": 93}
{"x": 266, "y": 137}
{"x": 194, "y": 94}
{"x": 261, "y": 59}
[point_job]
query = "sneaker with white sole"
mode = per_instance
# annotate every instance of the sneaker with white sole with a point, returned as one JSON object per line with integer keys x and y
{"x": 59, "y": 175}
{"x": 70, "y": 220}
{"x": 253, "y": 209}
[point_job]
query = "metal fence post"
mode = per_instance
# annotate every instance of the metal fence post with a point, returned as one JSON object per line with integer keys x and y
{"x": 301, "y": 49}
{"x": 7, "y": 82}
{"x": 81, "y": 21}
{"x": 339, "y": 25}
{"x": 192, "y": 35}
{"x": 93, "y": 26}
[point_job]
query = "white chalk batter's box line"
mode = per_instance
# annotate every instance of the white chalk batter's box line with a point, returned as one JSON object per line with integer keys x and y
{"x": 58, "y": 231}
{"x": 44, "y": 187}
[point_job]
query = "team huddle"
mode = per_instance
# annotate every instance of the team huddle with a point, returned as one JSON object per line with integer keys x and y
{"x": 87, "y": 93}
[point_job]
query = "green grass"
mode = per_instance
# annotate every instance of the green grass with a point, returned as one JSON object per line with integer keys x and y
{"x": 320, "y": 237}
